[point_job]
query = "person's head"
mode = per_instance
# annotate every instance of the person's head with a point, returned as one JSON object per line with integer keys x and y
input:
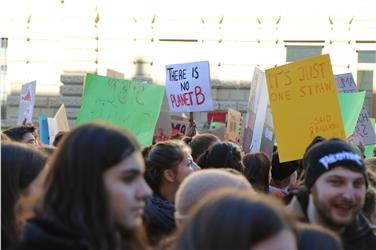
{"x": 20, "y": 165}
{"x": 200, "y": 183}
{"x": 168, "y": 163}
{"x": 95, "y": 184}
{"x": 284, "y": 173}
{"x": 200, "y": 143}
{"x": 257, "y": 170}
{"x": 59, "y": 136}
{"x": 235, "y": 219}
{"x": 222, "y": 155}
{"x": 336, "y": 177}
{"x": 315, "y": 237}
{"x": 22, "y": 134}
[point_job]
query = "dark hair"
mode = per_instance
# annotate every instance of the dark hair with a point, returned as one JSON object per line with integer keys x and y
{"x": 232, "y": 219}
{"x": 222, "y": 155}
{"x": 20, "y": 165}
{"x": 16, "y": 133}
{"x": 282, "y": 170}
{"x": 58, "y": 138}
{"x": 200, "y": 143}
{"x": 83, "y": 156}
{"x": 162, "y": 156}
{"x": 257, "y": 170}
{"x": 315, "y": 237}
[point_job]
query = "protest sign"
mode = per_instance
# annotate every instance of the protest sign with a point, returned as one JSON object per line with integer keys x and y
{"x": 180, "y": 123}
{"x": 115, "y": 74}
{"x": 59, "y": 123}
{"x": 188, "y": 87}
{"x": 27, "y": 100}
{"x": 242, "y": 128}
{"x": 62, "y": 119}
{"x": 233, "y": 125}
{"x": 363, "y": 134}
{"x": 163, "y": 127}
{"x": 345, "y": 83}
{"x": 43, "y": 130}
{"x": 52, "y": 129}
{"x": 129, "y": 104}
{"x": 369, "y": 149}
{"x": 351, "y": 105}
{"x": 268, "y": 138}
{"x": 304, "y": 103}
{"x": 256, "y": 112}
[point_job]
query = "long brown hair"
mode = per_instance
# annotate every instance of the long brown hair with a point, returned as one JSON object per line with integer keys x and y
{"x": 20, "y": 165}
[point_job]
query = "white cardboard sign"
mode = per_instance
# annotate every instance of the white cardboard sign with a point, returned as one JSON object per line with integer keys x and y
{"x": 27, "y": 100}
{"x": 188, "y": 87}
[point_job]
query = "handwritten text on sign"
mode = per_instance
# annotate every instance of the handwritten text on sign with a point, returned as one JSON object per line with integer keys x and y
{"x": 304, "y": 103}
{"x": 128, "y": 104}
{"x": 364, "y": 132}
{"x": 188, "y": 87}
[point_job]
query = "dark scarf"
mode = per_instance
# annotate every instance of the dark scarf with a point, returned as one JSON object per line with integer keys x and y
{"x": 159, "y": 218}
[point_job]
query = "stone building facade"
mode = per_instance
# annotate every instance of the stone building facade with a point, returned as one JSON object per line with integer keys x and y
{"x": 56, "y": 42}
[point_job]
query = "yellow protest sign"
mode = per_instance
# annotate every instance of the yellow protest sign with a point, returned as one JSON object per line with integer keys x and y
{"x": 233, "y": 125}
{"x": 304, "y": 102}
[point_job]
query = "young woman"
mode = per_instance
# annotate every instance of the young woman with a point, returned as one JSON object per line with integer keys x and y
{"x": 257, "y": 171}
{"x": 235, "y": 219}
{"x": 167, "y": 165}
{"x": 222, "y": 155}
{"x": 93, "y": 194}
{"x": 20, "y": 165}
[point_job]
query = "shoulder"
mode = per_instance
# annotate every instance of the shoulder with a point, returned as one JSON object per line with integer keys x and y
{"x": 43, "y": 234}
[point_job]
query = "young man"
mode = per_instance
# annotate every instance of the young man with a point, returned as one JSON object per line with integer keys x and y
{"x": 23, "y": 133}
{"x": 336, "y": 184}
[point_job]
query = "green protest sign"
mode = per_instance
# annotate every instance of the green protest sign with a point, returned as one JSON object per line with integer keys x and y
{"x": 351, "y": 105}
{"x": 368, "y": 152}
{"x": 128, "y": 104}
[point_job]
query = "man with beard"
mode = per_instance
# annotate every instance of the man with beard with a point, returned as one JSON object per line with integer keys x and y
{"x": 334, "y": 193}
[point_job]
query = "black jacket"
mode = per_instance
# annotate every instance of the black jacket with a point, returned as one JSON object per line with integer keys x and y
{"x": 40, "y": 234}
{"x": 358, "y": 236}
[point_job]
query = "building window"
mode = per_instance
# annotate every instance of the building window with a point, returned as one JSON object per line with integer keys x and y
{"x": 365, "y": 83}
{"x": 296, "y": 52}
{"x": 367, "y": 56}
{"x": 3, "y": 42}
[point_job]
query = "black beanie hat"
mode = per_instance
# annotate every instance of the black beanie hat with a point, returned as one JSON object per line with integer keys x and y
{"x": 282, "y": 170}
{"x": 327, "y": 154}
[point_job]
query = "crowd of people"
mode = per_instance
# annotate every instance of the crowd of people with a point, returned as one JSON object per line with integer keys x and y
{"x": 97, "y": 188}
